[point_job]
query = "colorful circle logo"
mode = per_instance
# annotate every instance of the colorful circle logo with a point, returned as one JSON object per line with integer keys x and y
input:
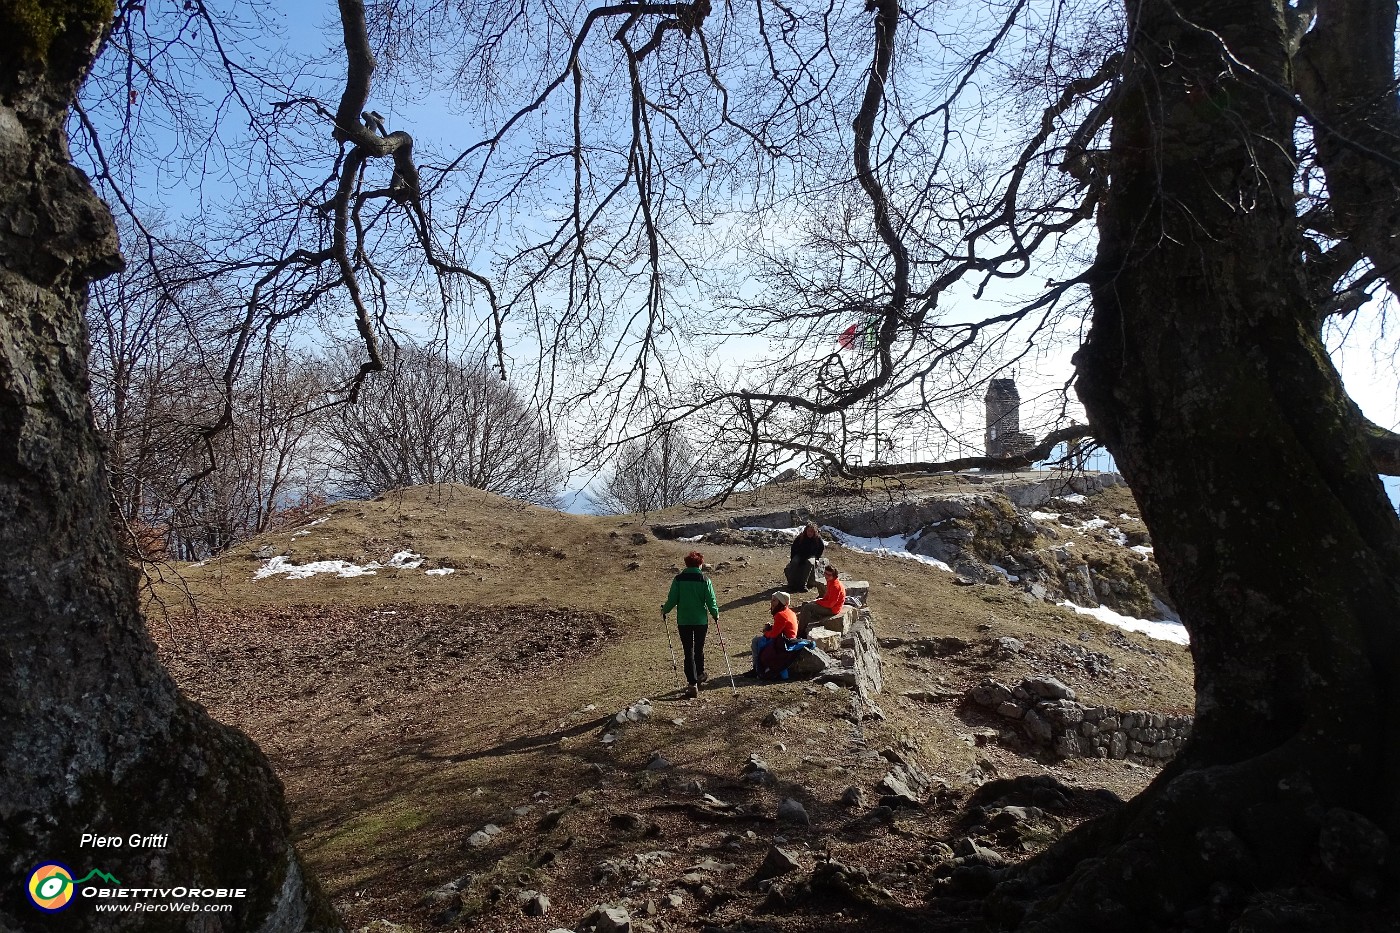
{"x": 51, "y": 887}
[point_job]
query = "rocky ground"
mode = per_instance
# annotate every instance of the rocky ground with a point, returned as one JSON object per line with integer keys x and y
{"x": 472, "y": 750}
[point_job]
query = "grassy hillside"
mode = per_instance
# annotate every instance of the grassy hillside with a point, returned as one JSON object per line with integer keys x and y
{"x": 405, "y": 711}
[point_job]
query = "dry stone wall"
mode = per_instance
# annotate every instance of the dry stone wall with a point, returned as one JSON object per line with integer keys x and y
{"x": 1045, "y": 713}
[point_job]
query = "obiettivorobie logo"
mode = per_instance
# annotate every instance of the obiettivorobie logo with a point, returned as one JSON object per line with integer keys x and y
{"x": 51, "y": 885}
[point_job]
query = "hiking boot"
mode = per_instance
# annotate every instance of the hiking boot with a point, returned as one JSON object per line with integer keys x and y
{"x": 702, "y": 680}
{"x": 692, "y": 691}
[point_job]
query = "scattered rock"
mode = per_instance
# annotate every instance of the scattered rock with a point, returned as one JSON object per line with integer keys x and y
{"x": 606, "y": 919}
{"x": 756, "y": 772}
{"x": 635, "y": 713}
{"x": 627, "y": 822}
{"x": 776, "y": 862}
{"x": 448, "y": 894}
{"x": 1007, "y": 645}
{"x": 658, "y": 762}
{"x": 853, "y": 796}
{"x": 533, "y": 903}
{"x": 776, "y": 717}
{"x": 791, "y": 811}
{"x": 897, "y": 792}
{"x": 483, "y": 837}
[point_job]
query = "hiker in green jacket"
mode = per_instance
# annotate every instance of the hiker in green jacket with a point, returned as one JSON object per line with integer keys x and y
{"x": 693, "y": 597}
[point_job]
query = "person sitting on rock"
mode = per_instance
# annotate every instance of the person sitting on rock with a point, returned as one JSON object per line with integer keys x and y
{"x": 830, "y": 604}
{"x": 692, "y": 595}
{"x": 807, "y": 547}
{"x": 783, "y": 625}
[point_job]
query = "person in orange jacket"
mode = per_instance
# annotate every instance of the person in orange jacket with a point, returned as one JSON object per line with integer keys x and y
{"x": 830, "y": 604}
{"x": 782, "y": 625}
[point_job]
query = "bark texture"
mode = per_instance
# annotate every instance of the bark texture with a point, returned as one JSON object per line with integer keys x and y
{"x": 1204, "y": 377}
{"x": 95, "y": 736}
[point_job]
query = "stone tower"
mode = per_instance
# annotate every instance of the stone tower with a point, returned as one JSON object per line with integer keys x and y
{"x": 1004, "y": 437}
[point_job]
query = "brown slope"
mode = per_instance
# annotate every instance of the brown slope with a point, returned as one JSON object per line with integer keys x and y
{"x": 406, "y": 711}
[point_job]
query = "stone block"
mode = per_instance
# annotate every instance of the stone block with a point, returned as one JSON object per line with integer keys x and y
{"x": 825, "y": 639}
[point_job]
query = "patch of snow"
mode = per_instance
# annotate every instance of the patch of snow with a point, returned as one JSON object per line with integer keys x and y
{"x": 692, "y": 539}
{"x": 298, "y": 534}
{"x": 892, "y": 546}
{"x": 787, "y": 531}
{"x": 199, "y": 564}
{"x": 1046, "y": 516}
{"x": 404, "y": 560}
{"x": 1076, "y": 498}
{"x": 1093, "y": 523}
{"x": 1005, "y": 573}
{"x": 440, "y": 572}
{"x": 341, "y": 568}
{"x": 1162, "y": 630}
{"x": 1144, "y": 549}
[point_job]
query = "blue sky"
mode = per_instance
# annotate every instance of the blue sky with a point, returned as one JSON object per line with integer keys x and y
{"x": 311, "y": 27}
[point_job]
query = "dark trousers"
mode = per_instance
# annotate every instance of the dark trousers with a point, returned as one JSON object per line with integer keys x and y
{"x": 693, "y": 641}
{"x": 801, "y": 573}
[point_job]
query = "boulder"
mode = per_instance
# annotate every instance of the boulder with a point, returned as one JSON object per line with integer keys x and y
{"x": 611, "y": 919}
{"x": 1047, "y": 688}
{"x": 808, "y": 663}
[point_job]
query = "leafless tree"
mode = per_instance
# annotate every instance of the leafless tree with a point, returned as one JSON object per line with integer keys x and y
{"x": 159, "y": 349}
{"x": 654, "y": 473}
{"x": 431, "y": 419}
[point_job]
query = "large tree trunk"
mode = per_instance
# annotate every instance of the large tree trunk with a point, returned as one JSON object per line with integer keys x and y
{"x": 94, "y": 736}
{"x": 1204, "y": 377}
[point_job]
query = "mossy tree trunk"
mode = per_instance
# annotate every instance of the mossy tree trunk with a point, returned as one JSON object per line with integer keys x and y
{"x": 94, "y": 736}
{"x": 1204, "y": 376}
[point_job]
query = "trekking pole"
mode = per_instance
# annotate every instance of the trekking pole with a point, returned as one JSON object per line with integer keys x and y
{"x": 675, "y": 669}
{"x": 724, "y": 648}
